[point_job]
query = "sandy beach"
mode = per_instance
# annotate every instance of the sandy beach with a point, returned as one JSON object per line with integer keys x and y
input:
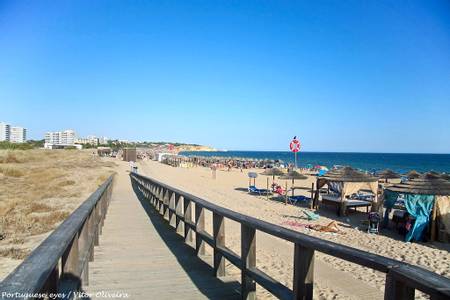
{"x": 335, "y": 278}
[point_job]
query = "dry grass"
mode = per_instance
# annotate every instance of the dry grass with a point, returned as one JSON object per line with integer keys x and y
{"x": 14, "y": 253}
{"x": 40, "y": 188}
{"x": 11, "y": 171}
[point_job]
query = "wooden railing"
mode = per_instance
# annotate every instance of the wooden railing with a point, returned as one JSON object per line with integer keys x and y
{"x": 59, "y": 266}
{"x": 402, "y": 279}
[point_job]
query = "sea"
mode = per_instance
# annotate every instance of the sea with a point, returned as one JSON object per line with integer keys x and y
{"x": 398, "y": 162}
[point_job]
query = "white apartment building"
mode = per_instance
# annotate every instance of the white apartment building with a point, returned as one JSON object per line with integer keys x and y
{"x": 18, "y": 134}
{"x": 5, "y": 131}
{"x": 90, "y": 139}
{"x": 59, "y": 138}
{"x": 103, "y": 140}
{"x": 13, "y": 134}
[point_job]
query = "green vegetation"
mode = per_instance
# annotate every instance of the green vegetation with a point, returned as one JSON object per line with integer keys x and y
{"x": 22, "y": 146}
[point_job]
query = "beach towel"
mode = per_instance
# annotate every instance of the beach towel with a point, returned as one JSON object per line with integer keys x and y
{"x": 311, "y": 216}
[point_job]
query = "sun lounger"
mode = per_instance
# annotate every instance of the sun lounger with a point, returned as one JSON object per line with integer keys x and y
{"x": 295, "y": 199}
{"x": 254, "y": 190}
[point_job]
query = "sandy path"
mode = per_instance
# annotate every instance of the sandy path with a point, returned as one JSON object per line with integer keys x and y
{"x": 274, "y": 256}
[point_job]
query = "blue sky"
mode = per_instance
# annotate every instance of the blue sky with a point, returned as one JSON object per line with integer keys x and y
{"x": 370, "y": 76}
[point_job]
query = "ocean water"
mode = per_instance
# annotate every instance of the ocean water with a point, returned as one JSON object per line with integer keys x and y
{"x": 398, "y": 162}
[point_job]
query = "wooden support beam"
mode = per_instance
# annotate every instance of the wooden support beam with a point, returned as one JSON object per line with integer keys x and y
{"x": 179, "y": 212}
{"x": 199, "y": 226}
{"x": 219, "y": 240}
{"x": 172, "y": 216}
{"x": 70, "y": 258}
{"x": 303, "y": 273}
{"x": 187, "y": 203}
{"x": 248, "y": 257}
{"x": 395, "y": 289}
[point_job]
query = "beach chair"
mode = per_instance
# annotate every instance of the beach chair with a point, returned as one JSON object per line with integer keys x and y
{"x": 254, "y": 190}
{"x": 295, "y": 199}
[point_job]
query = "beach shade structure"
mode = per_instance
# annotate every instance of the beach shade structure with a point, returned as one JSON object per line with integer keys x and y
{"x": 293, "y": 175}
{"x": 427, "y": 199}
{"x": 445, "y": 176}
{"x": 413, "y": 174}
{"x": 388, "y": 174}
{"x": 343, "y": 182}
{"x": 273, "y": 172}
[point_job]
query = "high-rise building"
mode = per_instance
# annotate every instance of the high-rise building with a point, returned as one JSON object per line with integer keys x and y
{"x": 59, "y": 138}
{"x": 5, "y": 131}
{"x": 18, "y": 134}
{"x": 68, "y": 137}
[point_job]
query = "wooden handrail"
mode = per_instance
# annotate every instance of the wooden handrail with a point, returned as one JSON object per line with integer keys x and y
{"x": 60, "y": 263}
{"x": 402, "y": 279}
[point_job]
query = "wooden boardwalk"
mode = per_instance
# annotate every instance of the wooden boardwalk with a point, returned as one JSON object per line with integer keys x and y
{"x": 141, "y": 256}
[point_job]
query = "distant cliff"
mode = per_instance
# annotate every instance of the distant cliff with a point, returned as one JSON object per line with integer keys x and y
{"x": 186, "y": 147}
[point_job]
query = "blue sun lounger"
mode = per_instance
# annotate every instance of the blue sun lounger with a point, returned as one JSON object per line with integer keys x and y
{"x": 295, "y": 199}
{"x": 254, "y": 190}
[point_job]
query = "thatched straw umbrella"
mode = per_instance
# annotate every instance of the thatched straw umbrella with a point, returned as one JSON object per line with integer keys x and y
{"x": 348, "y": 174}
{"x": 429, "y": 184}
{"x": 445, "y": 176}
{"x": 413, "y": 174}
{"x": 388, "y": 174}
{"x": 272, "y": 172}
{"x": 293, "y": 175}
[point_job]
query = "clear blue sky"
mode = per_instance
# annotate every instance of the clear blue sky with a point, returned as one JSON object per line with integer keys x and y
{"x": 342, "y": 75}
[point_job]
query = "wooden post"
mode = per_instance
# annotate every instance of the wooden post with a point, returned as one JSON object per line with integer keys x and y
{"x": 166, "y": 200}
{"x": 219, "y": 240}
{"x": 70, "y": 258}
{"x": 187, "y": 218}
{"x": 395, "y": 289}
{"x": 51, "y": 285}
{"x": 285, "y": 196}
{"x": 199, "y": 226}
{"x": 97, "y": 229}
{"x": 303, "y": 272}
{"x": 311, "y": 204}
{"x": 172, "y": 216}
{"x": 433, "y": 220}
{"x": 85, "y": 274}
{"x": 178, "y": 213}
{"x": 267, "y": 194}
{"x": 248, "y": 257}
{"x": 292, "y": 187}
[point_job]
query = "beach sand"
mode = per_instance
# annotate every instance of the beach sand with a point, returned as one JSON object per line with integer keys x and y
{"x": 334, "y": 278}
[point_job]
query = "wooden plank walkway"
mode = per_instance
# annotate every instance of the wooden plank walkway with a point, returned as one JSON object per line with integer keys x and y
{"x": 140, "y": 256}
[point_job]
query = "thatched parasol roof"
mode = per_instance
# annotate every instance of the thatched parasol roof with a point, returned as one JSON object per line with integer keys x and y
{"x": 427, "y": 184}
{"x": 388, "y": 174}
{"x": 413, "y": 174}
{"x": 293, "y": 175}
{"x": 273, "y": 172}
{"x": 348, "y": 174}
{"x": 445, "y": 176}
